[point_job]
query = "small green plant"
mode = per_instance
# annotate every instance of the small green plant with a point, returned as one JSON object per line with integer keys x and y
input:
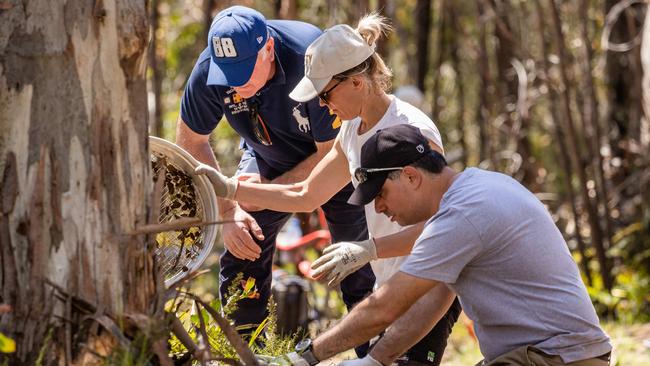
{"x": 265, "y": 340}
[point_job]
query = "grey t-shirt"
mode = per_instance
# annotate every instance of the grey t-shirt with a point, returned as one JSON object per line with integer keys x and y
{"x": 495, "y": 245}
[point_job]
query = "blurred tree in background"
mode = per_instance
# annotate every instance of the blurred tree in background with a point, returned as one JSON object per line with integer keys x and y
{"x": 554, "y": 93}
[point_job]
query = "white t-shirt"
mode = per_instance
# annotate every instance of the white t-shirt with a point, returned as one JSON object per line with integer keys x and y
{"x": 399, "y": 112}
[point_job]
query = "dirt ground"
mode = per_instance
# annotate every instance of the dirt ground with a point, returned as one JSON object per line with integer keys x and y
{"x": 631, "y": 347}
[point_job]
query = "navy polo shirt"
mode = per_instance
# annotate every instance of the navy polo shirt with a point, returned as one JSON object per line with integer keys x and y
{"x": 293, "y": 127}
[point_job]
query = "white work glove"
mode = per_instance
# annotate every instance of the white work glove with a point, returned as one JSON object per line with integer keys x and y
{"x": 223, "y": 186}
{"x": 289, "y": 359}
{"x": 366, "y": 361}
{"x": 341, "y": 259}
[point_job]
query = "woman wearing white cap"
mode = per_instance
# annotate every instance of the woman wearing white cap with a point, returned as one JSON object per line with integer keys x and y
{"x": 344, "y": 71}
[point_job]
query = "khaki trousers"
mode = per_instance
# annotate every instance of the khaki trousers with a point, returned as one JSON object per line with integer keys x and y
{"x": 531, "y": 356}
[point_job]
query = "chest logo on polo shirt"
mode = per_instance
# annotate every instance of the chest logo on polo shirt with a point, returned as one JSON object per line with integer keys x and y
{"x": 303, "y": 122}
{"x": 235, "y": 102}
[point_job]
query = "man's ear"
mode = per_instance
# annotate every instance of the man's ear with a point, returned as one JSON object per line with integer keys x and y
{"x": 413, "y": 175}
{"x": 269, "y": 46}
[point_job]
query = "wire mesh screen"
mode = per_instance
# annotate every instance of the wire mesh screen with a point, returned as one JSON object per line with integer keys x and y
{"x": 176, "y": 249}
{"x": 181, "y": 196}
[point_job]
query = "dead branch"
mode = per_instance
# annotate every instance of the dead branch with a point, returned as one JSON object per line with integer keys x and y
{"x": 182, "y": 335}
{"x": 204, "y": 343}
{"x": 108, "y": 324}
{"x": 179, "y": 224}
{"x": 81, "y": 304}
{"x": 231, "y": 334}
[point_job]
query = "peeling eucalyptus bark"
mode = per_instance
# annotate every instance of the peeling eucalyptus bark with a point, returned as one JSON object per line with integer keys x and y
{"x": 74, "y": 170}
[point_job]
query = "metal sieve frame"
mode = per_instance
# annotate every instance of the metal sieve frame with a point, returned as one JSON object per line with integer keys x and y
{"x": 204, "y": 191}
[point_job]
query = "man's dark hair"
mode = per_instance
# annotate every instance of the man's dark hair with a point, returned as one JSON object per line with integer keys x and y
{"x": 433, "y": 162}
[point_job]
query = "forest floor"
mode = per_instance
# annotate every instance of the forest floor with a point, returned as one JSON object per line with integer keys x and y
{"x": 631, "y": 346}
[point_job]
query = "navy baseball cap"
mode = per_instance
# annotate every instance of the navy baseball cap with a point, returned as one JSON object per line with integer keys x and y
{"x": 235, "y": 37}
{"x": 387, "y": 150}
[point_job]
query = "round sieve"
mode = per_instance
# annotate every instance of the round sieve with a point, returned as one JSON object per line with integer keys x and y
{"x": 182, "y": 195}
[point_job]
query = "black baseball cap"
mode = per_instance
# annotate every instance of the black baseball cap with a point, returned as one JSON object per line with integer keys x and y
{"x": 387, "y": 150}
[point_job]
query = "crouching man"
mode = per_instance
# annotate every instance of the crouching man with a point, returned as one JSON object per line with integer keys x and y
{"x": 489, "y": 240}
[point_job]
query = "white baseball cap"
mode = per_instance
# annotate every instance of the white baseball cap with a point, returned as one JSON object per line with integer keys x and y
{"x": 338, "y": 49}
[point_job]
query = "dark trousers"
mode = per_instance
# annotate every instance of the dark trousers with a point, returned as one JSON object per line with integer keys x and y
{"x": 429, "y": 350}
{"x": 346, "y": 223}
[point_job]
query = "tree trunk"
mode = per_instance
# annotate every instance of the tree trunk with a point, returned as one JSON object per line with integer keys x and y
{"x": 623, "y": 83}
{"x": 483, "y": 116}
{"x": 592, "y": 126}
{"x": 155, "y": 63}
{"x": 645, "y": 121}
{"x": 422, "y": 30}
{"x": 75, "y": 172}
{"x": 384, "y": 7}
{"x": 455, "y": 44}
{"x": 361, "y": 8}
{"x": 440, "y": 53}
{"x": 576, "y": 153}
{"x": 208, "y": 13}
{"x": 562, "y": 148}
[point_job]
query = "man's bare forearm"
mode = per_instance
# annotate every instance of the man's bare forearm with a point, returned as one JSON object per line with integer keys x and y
{"x": 373, "y": 314}
{"x": 402, "y": 335}
{"x": 200, "y": 149}
{"x": 355, "y": 329}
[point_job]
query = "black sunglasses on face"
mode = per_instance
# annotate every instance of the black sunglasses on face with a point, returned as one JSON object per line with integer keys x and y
{"x": 361, "y": 174}
{"x": 324, "y": 96}
{"x": 259, "y": 128}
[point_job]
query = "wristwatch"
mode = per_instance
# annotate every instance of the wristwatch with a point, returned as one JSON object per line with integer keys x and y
{"x": 305, "y": 349}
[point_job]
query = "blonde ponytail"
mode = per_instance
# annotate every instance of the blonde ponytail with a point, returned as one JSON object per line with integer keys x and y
{"x": 372, "y": 26}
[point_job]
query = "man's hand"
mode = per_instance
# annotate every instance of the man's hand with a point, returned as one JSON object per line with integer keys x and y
{"x": 366, "y": 361}
{"x": 289, "y": 359}
{"x": 341, "y": 259}
{"x": 223, "y": 186}
{"x": 237, "y": 236}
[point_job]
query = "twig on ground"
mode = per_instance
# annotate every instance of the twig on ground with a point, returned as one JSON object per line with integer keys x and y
{"x": 245, "y": 353}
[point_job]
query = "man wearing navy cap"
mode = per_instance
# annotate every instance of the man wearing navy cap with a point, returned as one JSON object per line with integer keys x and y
{"x": 245, "y": 75}
{"x": 488, "y": 239}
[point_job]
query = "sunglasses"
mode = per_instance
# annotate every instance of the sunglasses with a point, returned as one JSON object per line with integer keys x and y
{"x": 361, "y": 174}
{"x": 324, "y": 96}
{"x": 259, "y": 127}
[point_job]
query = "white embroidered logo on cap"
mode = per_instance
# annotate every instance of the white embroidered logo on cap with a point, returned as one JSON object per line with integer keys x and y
{"x": 223, "y": 47}
{"x": 260, "y": 39}
{"x": 420, "y": 148}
